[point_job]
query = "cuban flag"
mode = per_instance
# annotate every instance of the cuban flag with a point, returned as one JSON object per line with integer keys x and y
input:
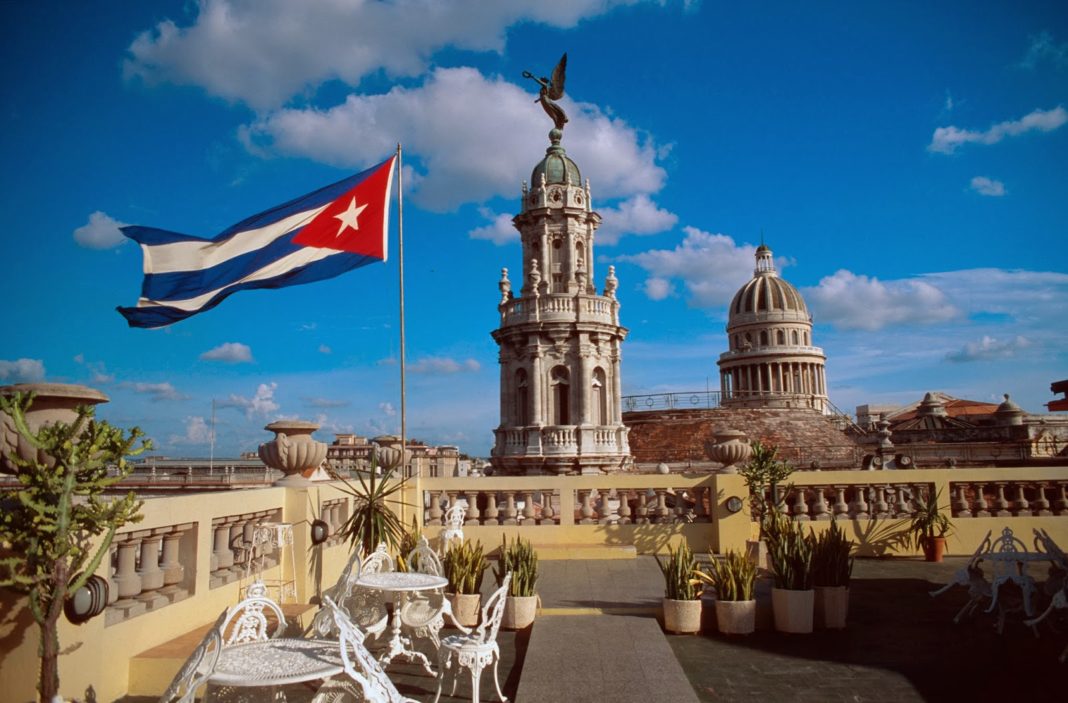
{"x": 315, "y": 237}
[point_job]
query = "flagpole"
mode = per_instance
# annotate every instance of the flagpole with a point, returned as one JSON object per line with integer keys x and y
{"x": 400, "y": 265}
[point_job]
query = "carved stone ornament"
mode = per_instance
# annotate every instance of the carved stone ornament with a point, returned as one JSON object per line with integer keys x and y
{"x": 54, "y": 402}
{"x": 293, "y": 451}
{"x": 730, "y": 448}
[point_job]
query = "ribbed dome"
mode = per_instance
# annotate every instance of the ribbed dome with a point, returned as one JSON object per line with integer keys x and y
{"x": 556, "y": 165}
{"x": 767, "y": 293}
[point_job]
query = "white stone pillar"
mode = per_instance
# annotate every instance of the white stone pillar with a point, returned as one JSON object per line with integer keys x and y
{"x": 535, "y": 385}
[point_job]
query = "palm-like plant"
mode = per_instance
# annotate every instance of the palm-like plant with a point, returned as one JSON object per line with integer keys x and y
{"x": 763, "y": 473}
{"x": 928, "y": 521}
{"x": 373, "y": 519}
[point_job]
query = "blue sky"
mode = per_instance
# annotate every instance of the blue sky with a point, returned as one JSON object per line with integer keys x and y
{"x": 905, "y": 161}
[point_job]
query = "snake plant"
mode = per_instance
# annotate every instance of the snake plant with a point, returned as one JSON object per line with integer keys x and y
{"x": 519, "y": 558}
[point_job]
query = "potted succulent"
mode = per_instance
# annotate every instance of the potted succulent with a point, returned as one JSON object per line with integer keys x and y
{"x": 790, "y": 554}
{"x": 682, "y": 591}
{"x": 465, "y": 565}
{"x": 929, "y": 526}
{"x": 832, "y": 567}
{"x": 733, "y": 577}
{"x": 521, "y": 601}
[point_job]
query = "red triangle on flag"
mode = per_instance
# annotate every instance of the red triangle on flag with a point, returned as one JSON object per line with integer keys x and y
{"x": 356, "y": 222}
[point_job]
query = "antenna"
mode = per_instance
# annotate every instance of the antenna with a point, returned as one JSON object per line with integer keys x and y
{"x": 211, "y": 457}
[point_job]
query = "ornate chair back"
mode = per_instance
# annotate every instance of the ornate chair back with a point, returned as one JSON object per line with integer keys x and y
{"x": 198, "y": 667}
{"x": 454, "y": 525}
{"x": 378, "y": 561}
{"x": 248, "y": 622}
{"x": 493, "y": 612}
{"x": 423, "y": 560}
{"x": 359, "y": 663}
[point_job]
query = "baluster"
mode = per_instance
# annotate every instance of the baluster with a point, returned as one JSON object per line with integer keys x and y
{"x": 624, "y": 507}
{"x": 473, "y": 513}
{"x": 548, "y": 516}
{"x": 980, "y": 501}
{"x": 819, "y": 509}
{"x": 643, "y": 507}
{"x": 1022, "y": 506}
{"x": 901, "y": 506}
{"x": 961, "y": 506}
{"x": 173, "y": 571}
{"x": 435, "y": 512}
{"x": 662, "y": 511}
{"x": 113, "y": 568}
{"x": 509, "y": 509}
{"x": 586, "y": 511}
{"x": 223, "y": 556}
{"x": 1042, "y": 503}
{"x": 491, "y": 509}
{"x": 841, "y": 507}
{"x": 609, "y": 514}
{"x": 452, "y": 499}
{"x": 880, "y": 508}
{"x": 248, "y": 539}
{"x": 528, "y": 508}
{"x": 800, "y": 509}
{"x": 1001, "y": 503}
{"x": 237, "y": 544}
{"x": 1062, "y": 502}
{"x": 860, "y": 506}
{"x": 128, "y": 579}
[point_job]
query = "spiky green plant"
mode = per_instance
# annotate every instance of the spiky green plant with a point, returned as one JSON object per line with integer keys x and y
{"x": 733, "y": 576}
{"x": 928, "y": 520}
{"x": 519, "y": 558}
{"x": 763, "y": 474}
{"x": 790, "y": 552}
{"x": 832, "y": 564}
{"x": 408, "y": 541}
{"x": 372, "y": 519}
{"x": 679, "y": 580}
{"x": 465, "y": 565}
{"x": 50, "y": 516}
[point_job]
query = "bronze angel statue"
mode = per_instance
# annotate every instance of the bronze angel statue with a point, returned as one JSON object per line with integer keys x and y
{"x": 552, "y": 90}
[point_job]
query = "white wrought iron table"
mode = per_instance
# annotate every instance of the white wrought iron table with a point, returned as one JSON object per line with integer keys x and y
{"x": 398, "y": 584}
{"x": 277, "y": 662}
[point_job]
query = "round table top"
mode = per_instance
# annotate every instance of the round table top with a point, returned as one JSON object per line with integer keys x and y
{"x": 277, "y": 662}
{"x": 401, "y": 581}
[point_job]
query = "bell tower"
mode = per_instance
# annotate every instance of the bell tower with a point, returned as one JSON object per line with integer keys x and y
{"x": 559, "y": 340}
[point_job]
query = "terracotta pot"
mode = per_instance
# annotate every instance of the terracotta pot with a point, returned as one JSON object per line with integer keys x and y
{"x": 293, "y": 451}
{"x": 54, "y": 402}
{"x": 736, "y": 617}
{"x": 832, "y": 606}
{"x": 934, "y": 548}
{"x": 465, "y": 608}
{"x": 519, "y": 612}
{"x": 682, "y": 616}
{"x": 793, "y": 610}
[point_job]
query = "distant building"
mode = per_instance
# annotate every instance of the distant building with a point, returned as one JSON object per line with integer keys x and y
{"x": 350, "y": 452}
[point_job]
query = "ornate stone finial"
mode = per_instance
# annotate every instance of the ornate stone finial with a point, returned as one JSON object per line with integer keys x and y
{"x": 611, "y": 283}
{"x": 535, "y": 276}
{"x": 506, "y": 287}
{"x": 552, "y": 89}
{"x": 580, "y": 278}
{"x": 524, "y": 188}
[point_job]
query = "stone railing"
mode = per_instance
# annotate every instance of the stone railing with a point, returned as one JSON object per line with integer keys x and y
{"x": 236, "y": 552}
{"x": 147, "y": 572}
{"x": 1013, "y": 498}
{"x": 335, "y": 512}
{"x": 547, "y": 308}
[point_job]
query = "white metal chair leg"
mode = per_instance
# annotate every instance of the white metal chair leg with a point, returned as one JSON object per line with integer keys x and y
{"x": 497, "y": 680}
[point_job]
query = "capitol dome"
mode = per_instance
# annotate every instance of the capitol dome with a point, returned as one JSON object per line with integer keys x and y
{"x": 771, "y": 361}
{"x": 557, "y": 166}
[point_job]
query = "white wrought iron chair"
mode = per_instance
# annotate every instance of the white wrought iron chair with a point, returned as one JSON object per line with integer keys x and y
{"x": 198, "y": 668}
{"x": 476, "y": 650}
{"x": 322, "y": 625}
{"x": 454, "y": 525}
{"x": 362, "y": 669}
{"x": 247, "y": 621}
{"x": 423, "y": 615}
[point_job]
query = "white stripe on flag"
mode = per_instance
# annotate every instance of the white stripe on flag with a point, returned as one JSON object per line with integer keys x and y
{"x": 306, "y": 255}
{"x": 196, "y": 256}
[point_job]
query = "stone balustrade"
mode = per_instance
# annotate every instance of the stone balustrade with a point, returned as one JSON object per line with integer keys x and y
{"x": 335, "y": 513}
{"x": 1010, "y": 498}
{"x": 235, "y": 550}
{"x": 147, "y": 572}
{"x": 546, "y": 308}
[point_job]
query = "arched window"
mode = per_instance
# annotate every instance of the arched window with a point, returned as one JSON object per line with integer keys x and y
{"x": 806, "y": 338}
{"x": 737, "y": 342}
{"x": 780, "y": 338}
{"x": 522, "y": 399}
{"x": 560, "y": 381}
{"x": 764, "y": 338}
{"x": 599, "y": 398}
{"x": 793, "y": 337}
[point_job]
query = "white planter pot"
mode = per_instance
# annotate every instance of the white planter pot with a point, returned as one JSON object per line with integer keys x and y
{"x": 832, "y": 606}
{"x": 465, "y": 608}
{"x": 519, "y": 612}
{"x": 793, "y": 610}
{"x": 682, "y": 616}
{"x": 736, "y": 617}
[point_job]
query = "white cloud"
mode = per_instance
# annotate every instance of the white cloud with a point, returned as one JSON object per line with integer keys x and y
{"x": 22, "y": 370}
{"x": 99, "y": 373}
{"x": 1043, "y": 48}
{"x": 197, "y": 431}
{"x": 985, "y": 186}
{"x": 947, "y": 140}
{"x": 261, "y": 404}
{"x": 849, "y": 301}
{"x": 156, "y": 391}
{"x": 443, "y": 365}
{"x": 324, "y": 349}
{"x": 470, "y": 134}
{"x": 230, "y": 353}
{"x": 100, "y": 232}
{"x": 500, "y": 230}
{"x": 387, "y": 409}
{"x": 711, "y": 266}
{"x": 264, "y": 52}
{"x": 636, "y": 215}
{"x": 988, "y": 348}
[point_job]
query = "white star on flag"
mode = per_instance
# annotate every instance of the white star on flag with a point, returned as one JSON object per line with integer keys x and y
{"x": 348, "y": 217}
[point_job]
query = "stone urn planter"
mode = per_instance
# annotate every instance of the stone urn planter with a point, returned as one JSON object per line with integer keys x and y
{"x": 730, "y": 448}
{"x": 682, "y": 616}
{"x": 391, "y": 459}
{"x": 293, "y": 451}
{"x": 736, "y": 617}
{"x": 832, "y": 606}
{"x": 466, "y": 608}
{"x": 54, "y": 402}
{"x": 519, "y": 612}
{"x": 793, "y": 610}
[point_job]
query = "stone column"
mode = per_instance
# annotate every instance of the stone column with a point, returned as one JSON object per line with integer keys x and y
{"x": 536, "y": 382}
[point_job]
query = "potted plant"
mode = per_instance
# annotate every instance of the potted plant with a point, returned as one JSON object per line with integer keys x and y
{"x": 763, "y": 474}
{"x": 682, "y": 591}
{"x": 521, "y": 601}
{"x": 790, "y": 554}
{"x": 832, "y": 567}
{"x": 733, "y": 577}
{"x": 465, "y": 565}
{"x": 373, "y": 519}
{"x": 929, "y": 526}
